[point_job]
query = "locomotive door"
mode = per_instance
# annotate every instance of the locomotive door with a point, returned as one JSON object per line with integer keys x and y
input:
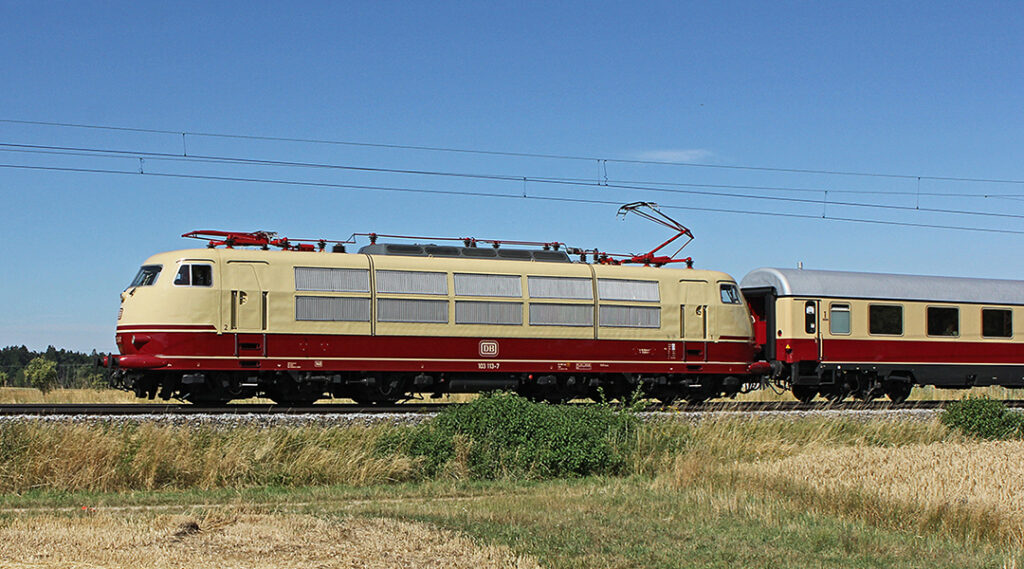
{"x": 246, "y": 300}
{"x": 693, "y": 315}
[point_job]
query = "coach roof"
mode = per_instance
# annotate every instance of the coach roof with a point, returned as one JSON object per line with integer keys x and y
{"x": 842, "y": 284}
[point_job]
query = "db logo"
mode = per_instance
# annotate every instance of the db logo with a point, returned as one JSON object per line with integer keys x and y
{"x": 488, "y": 349}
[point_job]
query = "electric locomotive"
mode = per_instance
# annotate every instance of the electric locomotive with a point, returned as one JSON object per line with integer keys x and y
{"x": 392, "y": 320}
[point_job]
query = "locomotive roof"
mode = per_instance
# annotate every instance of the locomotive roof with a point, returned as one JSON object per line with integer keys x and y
{"x": 842, "y": 284}
{"x": 465, "y": 252}
{"x": 416, "y": 262}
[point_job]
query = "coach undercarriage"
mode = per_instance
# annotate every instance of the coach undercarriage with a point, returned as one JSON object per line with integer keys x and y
{"x": 304, "y": 388}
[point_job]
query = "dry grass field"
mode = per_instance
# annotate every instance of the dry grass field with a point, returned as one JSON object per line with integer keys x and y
{"x": 13, "y": 395}
{"x": 221, "y": 540}
{"x": 721, "y": 492}
{"x": 975, "y": 488}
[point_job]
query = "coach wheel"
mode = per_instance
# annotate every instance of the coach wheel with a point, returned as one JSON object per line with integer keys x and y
{"x": 805, "y": 393}
{"x": 836, "y": 395}
{"x": 898, "y": 391}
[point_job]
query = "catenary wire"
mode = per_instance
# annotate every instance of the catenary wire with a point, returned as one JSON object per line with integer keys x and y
{"x": 100, "y": 152}
{"x": 508, "y": 178}
{"x": 504, "y": 196}
{"x": 516, "y": 154}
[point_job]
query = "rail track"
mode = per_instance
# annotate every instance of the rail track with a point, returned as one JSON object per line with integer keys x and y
{"x": 90, "y": 409}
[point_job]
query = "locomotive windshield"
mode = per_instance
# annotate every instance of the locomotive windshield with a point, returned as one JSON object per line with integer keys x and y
{"x": 146, "y": 276}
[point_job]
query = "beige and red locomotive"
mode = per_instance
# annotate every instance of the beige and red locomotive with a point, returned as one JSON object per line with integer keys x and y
{"x": 215, "y": 324}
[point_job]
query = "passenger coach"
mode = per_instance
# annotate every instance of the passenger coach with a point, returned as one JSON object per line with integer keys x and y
{"x": 863, "y": 334}
{"x": 210, "y": 325}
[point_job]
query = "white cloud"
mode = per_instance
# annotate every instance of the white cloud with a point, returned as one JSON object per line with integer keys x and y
{"x": 679, "y": 155}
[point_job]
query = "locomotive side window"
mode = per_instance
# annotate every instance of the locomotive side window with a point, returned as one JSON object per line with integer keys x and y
{"x": 996, "y": 323}
{"x": 730, "y": 295}
{"x": 943, "y": 321}
{"x": 839, "y": 319}
{"x": 810, "y": 317}
{"x": 885, "y": 319}
{"x": 630, "y": 316}
{"x": 146, "y": 276}
{"x": 488, "y": 285}
{"x": 202, "y": 275}
{"x": 620, "y": 289}
{"x": 569, "y": 288}
{"x": 194, "y": 275}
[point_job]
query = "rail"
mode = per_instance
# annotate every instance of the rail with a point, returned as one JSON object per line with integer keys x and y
{"x": 38, "y": 409}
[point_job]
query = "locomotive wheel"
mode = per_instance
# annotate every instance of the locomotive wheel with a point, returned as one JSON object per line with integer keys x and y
{"x": 667, "y": 398}
{"x": 382, "y": 392}
{"x": 805, "y": 393}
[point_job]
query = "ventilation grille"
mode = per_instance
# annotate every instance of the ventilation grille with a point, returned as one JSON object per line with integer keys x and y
{"x": 332, "y": 280}
{"x": 411, "y": 282}
{"x": 618, "y": 289}
{"x": 630, "y": 317}
{"x": 329, "y": 309}
{"x": 504, "y": 313}
{"x": 488, "y": 285}
{"x": 403, "y": 310}
{"x": 561, "y": 315}
{"x": 560, "y": 287}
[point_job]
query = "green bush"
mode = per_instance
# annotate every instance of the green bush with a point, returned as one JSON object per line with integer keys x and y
{"x": 504, "y": 436}
{"x": 984, "y": 418}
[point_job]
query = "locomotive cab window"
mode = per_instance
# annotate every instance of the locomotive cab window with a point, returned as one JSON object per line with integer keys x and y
{"x": 839, "y": 319}
{"x": 146, "y": 276}
{"x": 194, "y": 275}
{"x": 996, "y": 323}
{"x": 885, "y": 319}
{"x": 730, "y": 295}
{"x": 943, "y": 321}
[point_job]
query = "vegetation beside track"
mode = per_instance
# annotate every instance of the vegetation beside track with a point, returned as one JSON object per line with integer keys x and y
{"x": 719, "y": 492}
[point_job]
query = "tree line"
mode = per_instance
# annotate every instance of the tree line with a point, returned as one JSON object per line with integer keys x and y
{"x": 21, "y": 367}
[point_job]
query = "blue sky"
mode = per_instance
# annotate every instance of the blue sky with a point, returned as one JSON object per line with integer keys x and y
{"x": 916, "y": 89}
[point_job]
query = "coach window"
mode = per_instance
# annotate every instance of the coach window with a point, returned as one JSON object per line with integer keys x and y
{"x": 943, "y": 321}
{"x": 885, "y": 319}
{"x": 996, "y": 323}
{"x": 810, "y": 317}
{"x": 839, "y": 319}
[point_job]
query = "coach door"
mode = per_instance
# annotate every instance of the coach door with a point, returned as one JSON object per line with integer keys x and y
{"x": 811, "y": 346}
{"x": 693, "y": 315}
{"x": 246, "y": 307}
